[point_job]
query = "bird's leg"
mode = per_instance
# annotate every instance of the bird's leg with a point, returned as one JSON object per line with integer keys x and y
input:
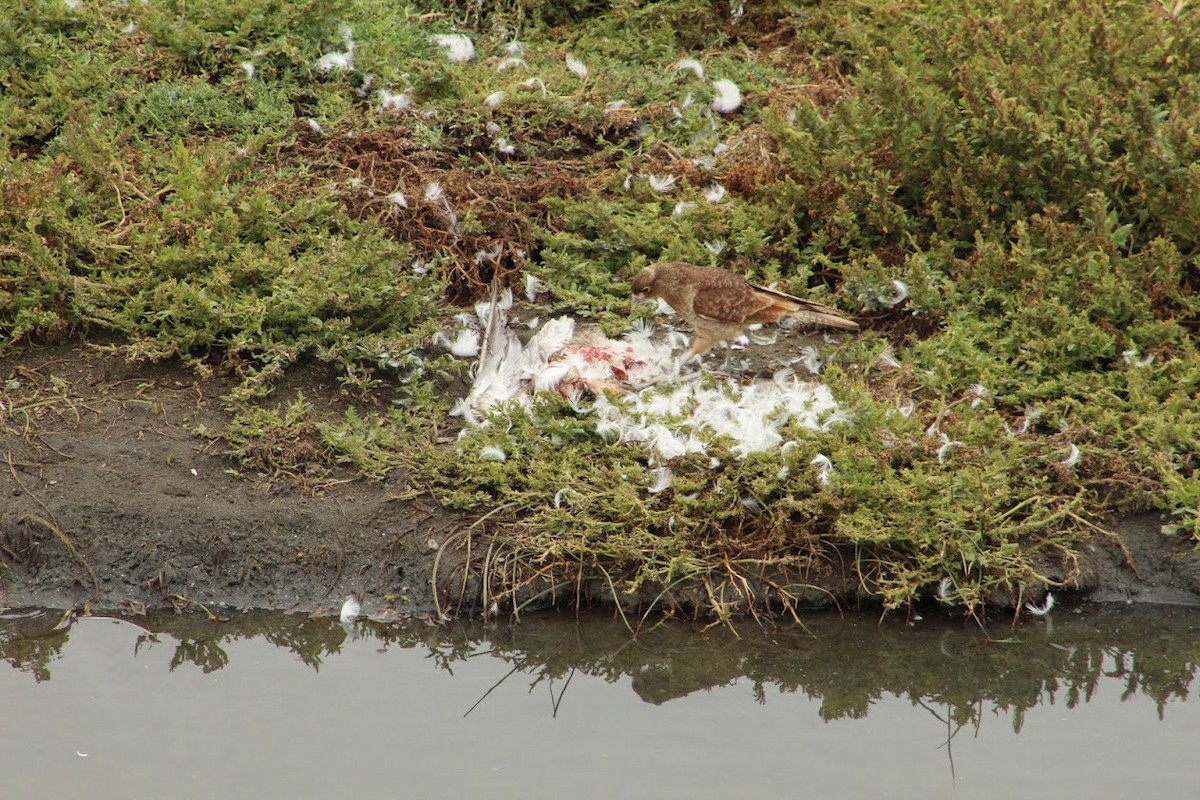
{"x": 727, "y": 367}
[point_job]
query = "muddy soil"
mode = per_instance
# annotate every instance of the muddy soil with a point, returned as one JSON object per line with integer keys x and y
{"x": 110, "y": 495}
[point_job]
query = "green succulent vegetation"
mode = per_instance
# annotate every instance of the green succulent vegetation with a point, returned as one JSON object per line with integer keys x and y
{"x": 187, "y": 181}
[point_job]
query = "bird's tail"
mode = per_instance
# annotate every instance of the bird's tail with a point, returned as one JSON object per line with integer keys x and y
{"x": 817, "y": 314}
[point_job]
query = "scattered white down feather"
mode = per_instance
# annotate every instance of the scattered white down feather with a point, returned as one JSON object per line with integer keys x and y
{"x": 662, "y": 183}
{"x": 465, "y": 343}
{"x": 682, "y": 207}
{"x": 1043, "y": 609}
{"x": 339, "y": 59}
{"x": 533, "y": 286}
{"x": 389, "y": 101}
{"x": 576, "y": 66}
{"x": 313, "y": 125}
{"x": 492, "y": 453}
{"x": 824, "y": 468}
{"x": 690, "y": 65}
{"x": 662, "y": 480}
{"x": 458, "y": 48}
{"x": 979, "y": 394}
{"x": 881, "y": 297}
{"x": 729, "y": 96}
{"x": 249, "y": 69}
{"x": 511, "y": 63}
{"x": 715, "y": 246}
{"x": 947, "y": 443}
{"x": 887, "y": 358}
{"x": 810, "y": 359}
{"x": 535, "y": 83}
{"x": 1072, "y": 456}
{"x": 336, "y": 61}
{"x": 494, "y": 99}
{"x": 505, "y": 147}
{"x": 351, "y": 610}
{"x": 514, "y": 48}
{"x": 1134, "y": 359}
{"x": 714, "y": 193}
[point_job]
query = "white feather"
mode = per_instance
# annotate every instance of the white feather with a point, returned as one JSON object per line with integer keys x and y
{"x": 535, "y": 83}
{"x": 458, "y": 48}
{"x": 511, "y": 63}
{"x": 336, "y": 61}
{"x": 810, "y": 359}
{"x": 492, "y": 453}
{"x": 494, "y": 99}
{"x": 351, "y": 610}
{"x": 389, "y": 101}
{"x": 1072, "y": 456}
{"x": 1043, "y": 609}
{"x": 662, "y": 480}
{"x": 465, "y": 344}
{"x": 662, "y": 183}
{"x": 824, "y": 468}
{"x": 533, "y": 286}
{"x": 248, "y": 68}
{"x": 398, "y": 199}
{"x": 690, "y": 65}
{"x": 576, "y": 66}
{"x": 714, "y": 193}
{"x": 729, "y": 96}
{"x": 434, "y": 193}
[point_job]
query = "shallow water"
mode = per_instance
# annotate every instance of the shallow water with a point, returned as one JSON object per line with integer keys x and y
{"x": 1093, "y": 703}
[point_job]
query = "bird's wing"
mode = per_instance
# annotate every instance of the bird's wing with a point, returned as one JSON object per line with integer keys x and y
{"x": 724, "y": 297}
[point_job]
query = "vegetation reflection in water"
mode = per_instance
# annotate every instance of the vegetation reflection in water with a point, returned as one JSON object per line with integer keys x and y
{"x": 951, "y": 668}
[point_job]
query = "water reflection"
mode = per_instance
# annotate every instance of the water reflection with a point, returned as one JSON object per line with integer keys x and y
{"x": 953, "y": 669}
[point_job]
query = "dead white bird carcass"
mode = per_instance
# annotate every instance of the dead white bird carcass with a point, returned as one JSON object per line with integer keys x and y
{"x": 669, "y": 413}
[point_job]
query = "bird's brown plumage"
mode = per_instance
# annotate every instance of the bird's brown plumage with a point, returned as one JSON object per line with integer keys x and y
{"x": 720, "y": 305}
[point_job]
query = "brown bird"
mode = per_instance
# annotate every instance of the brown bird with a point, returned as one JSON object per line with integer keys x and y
{"x": 720, "y": 305}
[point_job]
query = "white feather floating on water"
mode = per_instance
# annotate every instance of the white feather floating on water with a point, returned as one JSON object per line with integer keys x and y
{"x": 458, "y": 48}
{"x": 729, "y": 96}
{"x": 1043, "y": 609}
